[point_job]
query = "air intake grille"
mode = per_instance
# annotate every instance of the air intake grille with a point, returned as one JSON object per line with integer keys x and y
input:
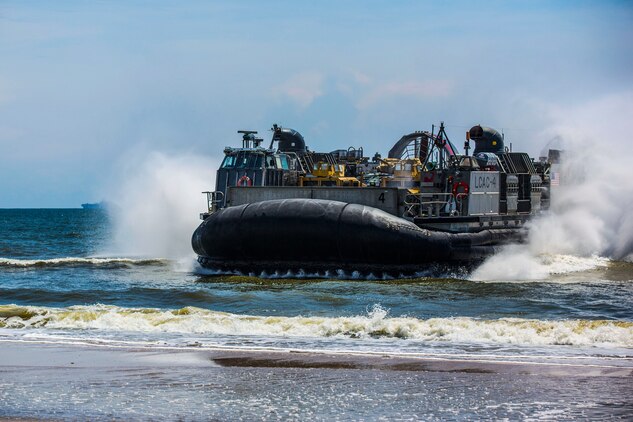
{"x": 517, "y": 163}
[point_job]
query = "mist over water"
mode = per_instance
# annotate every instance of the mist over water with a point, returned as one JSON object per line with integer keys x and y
{"x": 157, "y": 203}
{"x": 591, "y": 214}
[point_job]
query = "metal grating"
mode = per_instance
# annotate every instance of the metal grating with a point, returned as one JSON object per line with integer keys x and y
{"x": 517, "y": 163}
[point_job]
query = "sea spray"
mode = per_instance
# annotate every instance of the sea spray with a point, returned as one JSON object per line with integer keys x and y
{"x": 376, "y": 323}
{"x": 590, "y": 214}
{"x": 157, "y": 204}
{"x": 441, "y": 271}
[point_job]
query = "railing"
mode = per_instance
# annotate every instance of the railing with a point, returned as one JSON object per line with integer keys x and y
{"x": 430, "y": 204}
{"x": 213, "y": 199}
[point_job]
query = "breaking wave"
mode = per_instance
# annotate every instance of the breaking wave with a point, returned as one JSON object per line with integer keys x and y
{"x": 375, "y": 324}
{"x": 79, "y": 262}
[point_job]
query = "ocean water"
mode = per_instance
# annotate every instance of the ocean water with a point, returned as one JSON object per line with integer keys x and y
{"x": 61, "y": 285}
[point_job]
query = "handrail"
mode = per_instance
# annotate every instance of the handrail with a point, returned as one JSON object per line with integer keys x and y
{"x": 213, "y": 199}
{"x": 438, "y": 201}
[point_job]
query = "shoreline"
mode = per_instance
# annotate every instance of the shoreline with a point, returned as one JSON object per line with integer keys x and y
{"x": 44, "y": 381}
{"x": 27, "y": 353}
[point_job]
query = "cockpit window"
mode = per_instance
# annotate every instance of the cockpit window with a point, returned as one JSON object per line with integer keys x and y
{"x": 242, "y": 160}
{"x": 284, "y": 162}
{"x": 229, "y": 162}
{"x": 245, "y": 160}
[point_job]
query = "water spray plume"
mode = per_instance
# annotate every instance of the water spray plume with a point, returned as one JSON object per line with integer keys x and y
{"x": 591, "y": 213}
{"x": 157, "y": 204}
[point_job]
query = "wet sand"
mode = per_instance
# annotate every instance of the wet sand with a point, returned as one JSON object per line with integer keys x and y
{"x": 48, "y": 381}
{"x": 37, "y": 355}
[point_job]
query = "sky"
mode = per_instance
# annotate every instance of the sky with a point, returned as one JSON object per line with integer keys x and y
{"x": 90, "y": 88}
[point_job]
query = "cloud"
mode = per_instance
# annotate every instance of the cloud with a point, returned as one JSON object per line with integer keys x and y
{"x": 411, "y": 89}
{"x": 302, "y": 89}
{"x": 360, "y": 77}
{"x": 352, "y": 81}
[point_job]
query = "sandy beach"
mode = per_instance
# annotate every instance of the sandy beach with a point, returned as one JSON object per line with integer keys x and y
{"x": 65, "y": 381}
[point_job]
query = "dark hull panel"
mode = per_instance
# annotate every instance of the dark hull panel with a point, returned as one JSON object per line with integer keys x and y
{"x": 312, "y": 234}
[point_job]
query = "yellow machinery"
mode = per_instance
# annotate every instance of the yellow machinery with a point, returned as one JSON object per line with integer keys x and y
{"x": 326, "y": 174}
{"x": 401, "y": 173}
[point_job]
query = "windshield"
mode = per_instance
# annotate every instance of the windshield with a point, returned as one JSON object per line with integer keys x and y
{"x": 229, "y": 162}
{"x": 282, "y": 162}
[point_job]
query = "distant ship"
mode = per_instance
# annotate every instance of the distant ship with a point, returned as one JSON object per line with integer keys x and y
{"x": 289, "y": 207}
{"x": 93, "y": 206}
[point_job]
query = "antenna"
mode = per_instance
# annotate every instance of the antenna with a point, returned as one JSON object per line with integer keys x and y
{"x": 276, "y": 128}
{"x": 249, "y": 136}
{"x": 467, "y": 142}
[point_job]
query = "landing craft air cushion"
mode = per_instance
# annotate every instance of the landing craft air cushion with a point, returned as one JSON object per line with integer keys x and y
{"x": 286, "y": 207}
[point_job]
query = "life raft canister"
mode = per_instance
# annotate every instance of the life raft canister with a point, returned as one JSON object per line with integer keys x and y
{"x": 244, "y": 181}
{"x": 456, "y": 192}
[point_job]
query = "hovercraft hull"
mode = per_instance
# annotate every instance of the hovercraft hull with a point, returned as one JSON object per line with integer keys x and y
{"x": 316, "y": 235}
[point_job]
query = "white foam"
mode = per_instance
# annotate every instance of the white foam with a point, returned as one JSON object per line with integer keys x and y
{"x": 375, "y": 324}
{"x": 70, "y": 261}
{"x": 516, "y": 263}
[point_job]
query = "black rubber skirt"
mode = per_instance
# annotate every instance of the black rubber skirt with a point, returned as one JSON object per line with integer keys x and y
{"x": 314, "y": 235}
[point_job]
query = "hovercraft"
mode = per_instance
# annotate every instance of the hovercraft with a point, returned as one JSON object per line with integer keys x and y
{"x": 288, "y": 208}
